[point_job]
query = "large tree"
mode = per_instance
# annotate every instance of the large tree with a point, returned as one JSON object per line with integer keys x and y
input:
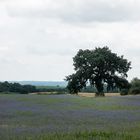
{"x": 98, "y": 67}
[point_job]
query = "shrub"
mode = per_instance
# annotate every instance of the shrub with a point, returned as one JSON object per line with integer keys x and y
{"x": 134, "y": 91}
{"x": 124, "y": 92}
{"x": 135, "y": 86}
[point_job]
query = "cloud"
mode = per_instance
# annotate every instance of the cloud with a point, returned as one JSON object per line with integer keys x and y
{"x": 38, "y": 38}
{"x": 78, "y": 10}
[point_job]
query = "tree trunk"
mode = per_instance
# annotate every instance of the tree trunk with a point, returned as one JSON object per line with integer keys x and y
{"x": 100, "y": 88}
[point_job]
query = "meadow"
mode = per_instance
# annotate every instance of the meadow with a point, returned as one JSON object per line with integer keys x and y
{"x": 69, "y": 117}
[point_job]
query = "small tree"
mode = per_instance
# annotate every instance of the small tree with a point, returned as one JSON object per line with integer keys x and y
{"x": 135, "y": 86}
{"x": 98, "y": 66}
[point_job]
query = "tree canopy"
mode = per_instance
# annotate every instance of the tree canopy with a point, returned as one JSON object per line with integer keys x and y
{"x": 98, "y": 66}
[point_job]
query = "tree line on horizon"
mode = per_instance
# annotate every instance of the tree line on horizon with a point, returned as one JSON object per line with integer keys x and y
{"x": 7, "y": 87}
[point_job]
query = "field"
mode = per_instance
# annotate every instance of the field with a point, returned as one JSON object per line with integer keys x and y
{"x": 69, "y": 117}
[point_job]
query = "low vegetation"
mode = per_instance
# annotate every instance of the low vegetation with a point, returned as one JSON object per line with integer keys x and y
{"x": 69, "y": 117}
{"x": 135, "y": 86}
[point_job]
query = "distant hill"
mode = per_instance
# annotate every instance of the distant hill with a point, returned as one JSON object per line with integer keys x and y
{"x": 42, "y": 83}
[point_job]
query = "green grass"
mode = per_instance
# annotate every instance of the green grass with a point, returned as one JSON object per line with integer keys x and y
{"x": 24, "y": 113}
{"x": 94, "y": 135}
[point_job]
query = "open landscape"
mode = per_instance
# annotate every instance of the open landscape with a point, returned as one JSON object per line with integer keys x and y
{"x": 69, "y": 117}
{"x": 69, "y": 70}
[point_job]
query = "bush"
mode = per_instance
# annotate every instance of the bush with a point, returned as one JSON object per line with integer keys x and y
{"x": 124, "y": 92}
{"x": 97, "y": 94}
{"x": 135, "y": 86}
{"x": 134, "y": 91}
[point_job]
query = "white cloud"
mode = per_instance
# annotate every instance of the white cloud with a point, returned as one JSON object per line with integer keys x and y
{"x": 78, "y": 10}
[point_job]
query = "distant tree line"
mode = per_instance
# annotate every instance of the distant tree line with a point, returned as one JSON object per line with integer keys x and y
{"x": 57, "y": 89}
{"x": 16, "y": 88}
{"x": 6, "y": 87}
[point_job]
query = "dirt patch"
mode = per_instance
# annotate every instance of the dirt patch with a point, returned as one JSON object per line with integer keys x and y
{"x": 43, "y": 93}
{"x": 93, "y": 94}
{"x": 86, "y": 94}
{"x": 112, "y": 94}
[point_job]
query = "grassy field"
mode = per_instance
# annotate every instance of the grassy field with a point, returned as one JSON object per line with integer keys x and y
{"x": 67, "y": 117}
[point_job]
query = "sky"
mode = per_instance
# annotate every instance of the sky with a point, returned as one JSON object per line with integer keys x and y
{"x": 39, "y": 38}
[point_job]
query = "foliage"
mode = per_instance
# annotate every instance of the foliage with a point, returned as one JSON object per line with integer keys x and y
{"x": 91, "y": 89}
{"x": 134, "y": 91}
{"x": 124, "y": 92}
{"x": 57, "y": 89}
{"x": 135, "y": 82}
{"x": 16, "y": 88}
{"x": 98, "y": 66}
{"x": 135, "y": 86}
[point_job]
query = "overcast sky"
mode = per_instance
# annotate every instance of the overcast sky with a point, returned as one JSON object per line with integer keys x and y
{"x": 38, "y": 38}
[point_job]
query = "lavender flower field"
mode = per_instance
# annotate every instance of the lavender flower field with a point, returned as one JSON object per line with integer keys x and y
{"x": 69, "y": 117}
